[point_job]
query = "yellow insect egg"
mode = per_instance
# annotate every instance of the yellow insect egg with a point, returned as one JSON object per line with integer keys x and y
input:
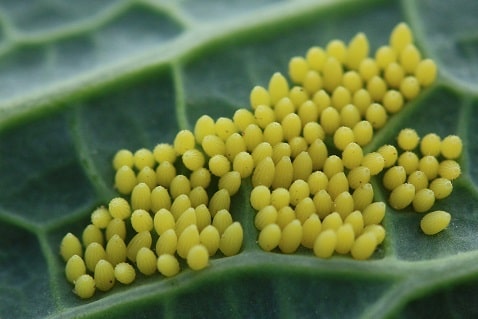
{"x": 198, "y": 196}
{"x": 312, "y": 82}
{"x": 142, "y": 158}
{"x": 267, "y": 215}
{"x": 377, "y": 88}
{"x": 180, "y": 204}
{"x": 333, "y": 165}
{"x": 409, "y": 58}
{"x": 409, "y": 161}
{"x": 291, "y": 125}
{"x": 273, "y": 133}
{"x": 402, "y": 196}
{"x": 92, "y": 234}
{"x": 313, "y": 131}
{"x": 200, "y": 178}
{"x": 349, "y": 115}
{"x": 304, "y": 209}
{"x": 325, "y": 243}
{"x": 198, "y": 257}
{"x": 280, "y": 197}
{"x": 374, "y": 213}
{"x": 278, "y": 87}
{"x": 203, "y": 216}
{"x": 160, "y": 198}
{"x": 231, "y": 240}
{"x": 377, "y": 230}
{"x": 338, "y": 183}
{"x": 115, "y": 250}
{"x": 184, "y": 141}
{"x": 322, "y": 100}
{"x": 376, "y": 115}
{"x": 332, "y": 221}
{"x": 441, "y": 187}
{"x": 356, "y": 220}
{"x": 298, "y": 190}
{"x": 164, "y": 152}
{"x": 298, "y": 68}
{"x": 451, "y": 147}
{"x": 408, "y": 139}
{"x": 204, "y": 126}
{"x": 231, "y": 181}
{"x": 291, "y": 237}
{"x": 317, "y": 181}
{"x": 188, "y": 238}
{"x": 449, "y": 169}
{"x": 332, "y": 73}
{"x": 384, "y": 56}
{"x": 269, "y": 237}
{"x": 389, "y": 154}
{"x": 358, "y": 176}
{"x": 410, "y": 87}
{"x": 316, "y": 58}
{"x": 123, "y": 157}
{"x": 146, "y": 261}
{"x": 340, "y": 97}
{"x": 70, "y": 245}
{"x": 116, "y": 227}
{"x": 280, "y": 150}
{"x": 368, "y": 68}
{"x": 319, "y": 153}
{"x": 100, "y": 217}
{"x": 194, "y": 159}
{"x": 125, "y": 273}
{"x": 429, "y": 165}
{"x": 283, "y": 107}
{"x": 85, "y": 286}
{"x": 363, "y": 132}
{"x": 343, "y": 136}
{"x": 243, "y": 164}
{"x": 308, "y": 112}
{"x": 253, "y": 136}
{"x": 213, "y": 145}
{"x": 165, "y": 172}
{"x": 345, "y": 239}
{"x": 330, "y": 120}
{"x": 285, "y": 215}
{"x": 219, "y": 165}
{"x": 261, "y": 151}
{"x": 260, "y": 197}
{"x": 222, "y": 220}
{"x": 94, "y": 252}
{"x": 180, "y": 185}
{"x": 394, "y": 75}
{"x": 264, "y": 173}
{"x": 125, "y": 179}
{"x": 259, "y": 96}
{"x": 297, "y": 145}
{"x": 400, "y": 37}
{"x": 362, "y": 100}
{"x": 148, "y": 176}
{"x": 302, "y": 166}
{"x": 225, "y": 127}
{"x": 209, "y": 237}
{"x": 297, "y": 96}
{"x": 168, "y": 265}
{"x": 363, "y": 196}
{"x": 430, "y": 144}
{"x": 344, "y": 204}
{"x": 323, "y": 203}
{"x": 141, "y": 197}
{"x": 352, "y": 155}
{"x": 364, "y": 246}
{"x": 393, "y": 101}
{"x": 337, "y": 49}
{"x": 357, "y": 50}
{"x": 418, "y": 179}
{"x": 423, "y": 200}
{"x": 140, "y": 240}
{"x": 352, "y": 81}
{"x": 242, "y": 118}
{"x": 75, "y": 267}
{"x": 394, "y": 177}
{"x": 310, "y": 230}
{"x": 374, "y": 161}
{"x": 426, "y": 72}
{"x": 167, "y": 243}
{"x": 434, "y": 222}
{"x": 141, "y": 220}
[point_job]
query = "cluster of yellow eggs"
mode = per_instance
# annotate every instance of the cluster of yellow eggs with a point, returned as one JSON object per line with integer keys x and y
{"x": 301, "y": 146}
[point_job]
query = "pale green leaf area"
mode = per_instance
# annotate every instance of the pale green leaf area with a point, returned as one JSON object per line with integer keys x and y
{"x": 81, "y": 79}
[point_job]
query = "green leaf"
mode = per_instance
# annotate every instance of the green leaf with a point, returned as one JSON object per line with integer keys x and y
{"x": 79, "y": 80}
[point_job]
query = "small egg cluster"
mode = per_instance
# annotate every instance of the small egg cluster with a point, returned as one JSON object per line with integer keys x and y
{"x": 421, "y": 179}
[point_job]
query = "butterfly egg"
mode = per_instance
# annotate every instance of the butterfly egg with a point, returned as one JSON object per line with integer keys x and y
{"x": 434, "y": 222}
{"x": 141, "y": 197}
{"x": 368, "y": 68}
{"x": 337, "y": 49}
{"x": 449, "y": 169}
{"x": 389, "y": 154}
{"x": 402, "y": 196}
{"x": 253, "y": 136}
{"x": 188, "y": 238}
{"x": 116, "y": 227}
{"x": 291, "y": 237}
{"x": 345, "y": 239}
{"x": 352, "y": 155}
{"x": 317, "y": 181}
{"x": 184, "y": 141}
{"x": 165, "y": 173}
{"x": 340, "y": 97}
{"x": 384, "y": 56}
{"x": 291, "y": 126}
{"x": 374, "y": 161}
{"x": 451, "y": 147}
{"x": 325, "y": 243}
{"x": 430, "y": 144}
{"x": 426, "y": 72}
{"x": 308, "y": 112}
{"x": 356, "y": 220}
{"x": 418, "y": 179}
{"x": 94, "y": 252}
{"x": 231, "y": 181}
{"x": 304, "y": 209}
{"x": 349, "y": 115}
{"x": 423, "y": 200}
{"x": 332, "y": 221}
{"x": 180, "y": 205}
{"x": 394, "y": 74}
{"x": 164, "y": 152}
{"x": 338, "y": 183}
{"x": 362, "y": 100}
{"x": 332, "y": 73}
{"x": 377, "y": 230}
{"x": 297, "y": 95}
{"x": 125, "y": 179}
{"x": 70, "y": 245}
{"x": 100, "y": 217}
{"x": 75, "y": 267}
{"x": 313, "y": 131}
{"x": 243, "y": 118}
{"x": 125, "y": 273}
{"x": 92, "y": 234}
{"x": 323, "y": 203}
{"x": 333, "y": 165}
{"x": 358, "y": 176}
{"x": 377, "y": 88}
{"x": 298, "y": 68}
{"x": 198, "y": 196}
{"x": 209, "y": 237}
{"x": 408, "y": 139}
{"x": 364, "y": 246}
{"x": 219, "y": 200}
{"x": 141, "y": 220}
{"x": 298, "y": 190}
{"x": 180, "y": 185}
{"x": 146, "y": 261}
{"x": 163, "y": 220}
{"x": 142, "y": 158}
{"x": 280, "y": 197}
{"x": 441, "y": 187}
{"x": 203, "y": 216}
{"x": 198, "y": 257}
{"x": 140, "y": 240}
{"x": 310, "y": 230}
{"x": 376, "y": 115}
{"x": 234, "y": 145}
{"x": 409, "y": 58}
{"x": 222, "y": 220}
{"x": 297, "y": 145}
{"x": 319, "y": 153}
{"x": 231, "y": 240}
{"x": 269, "y": 237}
{"x": 263, "y": 173}
{"x": 285, "y": 215}
{"x": 343, "y": 136}
{"x": 213, "y": 145}
{"x": 259, "y": 96}
{"x": 160, "y": 198}
{"x": 409, "y": 161}
{"x": 123, "y": 157}
{"x": 261, "y": 151}
{"x": 148, "y": 176}
{"x": 429, "y": 165}
{"x": 278, "y": 87}
{"x": 193, "y": 159}
{"x": 330, "y": 120}
{"x": 344, "y": 204}
{"x": 224, "y": 127}
{"x": 302, "y": 166}
{"x": 243, "y": 164}
{"x": 85, "y": 286}
{"x": 200, "y": 178}
{"x": 168, "y": 265}
{"x": 267, "y": 215}
{"x": 357, "y": 50}
{"x": 322, "y": 100}
{"x": 352, "y": 81}
{"x": 167, "y": 243}
{"x": 280, "y": 150}
{"x": 260, "y": 197}
{"x": 115, "y": 250}
{"x": 373, "y": 213}
{"x": 284, "y": 107}
{"x": 316, "y": 57}
{"x": 394, "y": 177}
{"x": 363, "y": 196}
{"x": 400, "y": 37}
{"x": 204, "y": 126}
{"x": 410, "y": 87}
{"x": 393, "y": 101}
{"x": 312, "y": 82}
